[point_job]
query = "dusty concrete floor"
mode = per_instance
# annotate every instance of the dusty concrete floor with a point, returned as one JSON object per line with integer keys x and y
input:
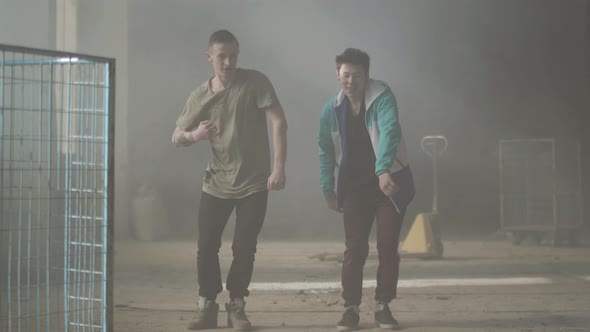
{"x": 156, "y": 288}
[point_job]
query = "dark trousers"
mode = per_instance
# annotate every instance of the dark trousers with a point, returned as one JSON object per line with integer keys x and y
{"x": 359, "y": 209}
{"x": 214, "y": 213}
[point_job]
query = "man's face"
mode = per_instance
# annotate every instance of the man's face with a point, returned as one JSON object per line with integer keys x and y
{"x": 224, "y": 58}
{"x": 353, "y": 79}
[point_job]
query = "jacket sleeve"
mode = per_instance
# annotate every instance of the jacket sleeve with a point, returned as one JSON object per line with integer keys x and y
{"x": 326, "y": 153}
{"x": 389, "y": 131}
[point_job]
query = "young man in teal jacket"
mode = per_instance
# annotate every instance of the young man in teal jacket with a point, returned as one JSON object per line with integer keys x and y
{"x": 364, "y": 175}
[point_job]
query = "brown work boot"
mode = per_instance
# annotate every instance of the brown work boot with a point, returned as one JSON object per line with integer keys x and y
{"x": 206, "y": 316}
{"x": 236, "y": 316}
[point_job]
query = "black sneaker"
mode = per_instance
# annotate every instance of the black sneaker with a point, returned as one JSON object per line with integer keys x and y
{"x": 350, "y": 319}
{"x": 384, "y": 318}
{"x": 206, "y": 316}
{"x": 236, "y": 315}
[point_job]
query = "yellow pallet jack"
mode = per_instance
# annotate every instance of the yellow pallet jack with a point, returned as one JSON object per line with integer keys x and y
{"x": 424, "y": 239}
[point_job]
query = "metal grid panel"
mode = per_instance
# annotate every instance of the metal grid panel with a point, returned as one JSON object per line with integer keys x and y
{"x": 540, "y": 184}
{"x": 56, "y": 150}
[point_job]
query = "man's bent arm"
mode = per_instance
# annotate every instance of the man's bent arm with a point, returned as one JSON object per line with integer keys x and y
{"x": 182, "y": 138}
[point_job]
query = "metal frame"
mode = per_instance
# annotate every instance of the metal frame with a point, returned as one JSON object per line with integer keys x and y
{"x": 530, "y": 225}
{"x": 74, "y": 252}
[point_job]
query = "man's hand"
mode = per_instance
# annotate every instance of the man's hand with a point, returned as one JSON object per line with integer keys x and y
{"x": 205, "y": 130}
{"x": 386, "y": 184}
{"x": 277, "y": 179}
{"x": 333, "y": 205}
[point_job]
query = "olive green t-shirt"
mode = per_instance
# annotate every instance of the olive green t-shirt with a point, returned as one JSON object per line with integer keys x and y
{"x": 241, "y": 152}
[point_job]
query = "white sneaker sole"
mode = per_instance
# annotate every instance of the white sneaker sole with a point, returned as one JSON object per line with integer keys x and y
{"x": 389, "y": 326}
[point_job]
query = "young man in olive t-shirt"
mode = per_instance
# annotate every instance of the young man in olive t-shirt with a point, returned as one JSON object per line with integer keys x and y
{"x": 230, "y": 110}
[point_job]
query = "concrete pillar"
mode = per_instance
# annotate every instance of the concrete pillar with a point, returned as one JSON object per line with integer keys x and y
{"x": 100, "y": 28}
{"x": 66, "y": 25}
{"x": 120, "y": 46}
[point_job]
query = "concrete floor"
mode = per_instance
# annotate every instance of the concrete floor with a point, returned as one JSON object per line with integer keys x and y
{"x": 480, "y": 285}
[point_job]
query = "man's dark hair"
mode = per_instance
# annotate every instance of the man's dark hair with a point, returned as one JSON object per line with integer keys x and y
{"x": 222, "y": 36}
{"x": 353, "y": 56}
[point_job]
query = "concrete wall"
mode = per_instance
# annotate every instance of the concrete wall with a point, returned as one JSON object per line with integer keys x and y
{"x": 27, "y": 23}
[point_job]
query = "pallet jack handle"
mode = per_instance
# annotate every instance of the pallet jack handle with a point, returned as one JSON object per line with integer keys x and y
{"x": 434, "y": 146}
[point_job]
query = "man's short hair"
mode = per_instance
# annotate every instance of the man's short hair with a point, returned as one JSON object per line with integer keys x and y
{"x": 222, "y": 36}
{"x": 353, "y": 56}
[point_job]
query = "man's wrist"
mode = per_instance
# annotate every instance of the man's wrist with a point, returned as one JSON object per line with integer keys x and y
{"x": 382, "y": 174}
{"x": 182, "y": 139}
{"x": 191, "y": 136}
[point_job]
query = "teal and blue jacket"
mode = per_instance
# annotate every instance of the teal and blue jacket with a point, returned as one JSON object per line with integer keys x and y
{"x": 382, "y": 121}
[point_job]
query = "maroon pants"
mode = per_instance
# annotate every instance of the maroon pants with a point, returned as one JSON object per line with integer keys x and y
{"x": 359, "y": 209}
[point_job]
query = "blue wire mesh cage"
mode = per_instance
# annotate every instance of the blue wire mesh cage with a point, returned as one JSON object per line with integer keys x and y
{"x": 56, "y": 190}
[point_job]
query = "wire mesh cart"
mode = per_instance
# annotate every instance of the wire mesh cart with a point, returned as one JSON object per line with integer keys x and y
{"x": 540, "y": 185}
{"x": 56, "y": 190}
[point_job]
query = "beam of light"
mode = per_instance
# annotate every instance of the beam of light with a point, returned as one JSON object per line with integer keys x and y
{"x": 410, "y": 283}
